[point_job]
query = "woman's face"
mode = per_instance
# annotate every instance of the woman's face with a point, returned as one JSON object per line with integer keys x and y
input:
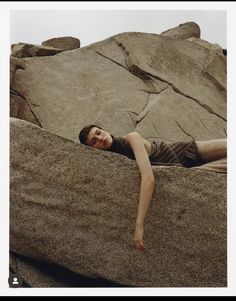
{"x": 99, "y": 138}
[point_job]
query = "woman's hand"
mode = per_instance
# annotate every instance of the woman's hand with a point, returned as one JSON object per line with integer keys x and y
{"x": 138, "y": 238}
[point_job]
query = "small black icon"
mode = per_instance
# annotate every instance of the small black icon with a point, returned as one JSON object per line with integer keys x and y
{"x": 15, "y": 280}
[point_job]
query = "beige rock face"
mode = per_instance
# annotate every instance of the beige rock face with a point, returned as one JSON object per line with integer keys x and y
{"x": 184, "y": 31}
{"x": 172, "y": 89}
{"x": 75, "y": 206}
{"x": 69, "y": 201}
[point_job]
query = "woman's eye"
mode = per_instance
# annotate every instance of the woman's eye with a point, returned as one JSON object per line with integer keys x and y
{"x": 98, "y": 132}
{"x": 93, "y": 141}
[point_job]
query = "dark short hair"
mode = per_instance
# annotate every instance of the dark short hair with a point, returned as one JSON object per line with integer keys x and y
{"x": 85, "y": 131}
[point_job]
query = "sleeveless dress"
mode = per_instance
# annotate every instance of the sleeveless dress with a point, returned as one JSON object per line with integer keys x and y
{"x": 175, "y": 153}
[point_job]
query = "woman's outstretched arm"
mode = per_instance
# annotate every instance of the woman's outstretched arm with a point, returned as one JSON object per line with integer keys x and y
{"x": 147, "y": 185}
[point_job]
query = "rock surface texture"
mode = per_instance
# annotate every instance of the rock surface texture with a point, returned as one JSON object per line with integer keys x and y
{"x": 73, "y": 208}
{"x": 65, "y": 43}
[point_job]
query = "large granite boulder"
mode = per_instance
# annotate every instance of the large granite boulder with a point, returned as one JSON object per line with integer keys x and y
{"x": 156, "y": 85}
{"x": 65, "y": 43}
{"x": 184, "y": 31}
{"x": 73, "y": 207}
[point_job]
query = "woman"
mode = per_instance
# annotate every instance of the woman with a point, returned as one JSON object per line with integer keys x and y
{"x": 185, "y": 154}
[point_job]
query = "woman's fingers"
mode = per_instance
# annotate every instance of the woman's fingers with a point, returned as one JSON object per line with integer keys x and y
{"x": 139, "y": 245}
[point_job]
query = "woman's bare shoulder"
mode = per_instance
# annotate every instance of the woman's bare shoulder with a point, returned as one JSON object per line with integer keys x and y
{"x": 131, "y": 134}
{"x": 146, "y": 143}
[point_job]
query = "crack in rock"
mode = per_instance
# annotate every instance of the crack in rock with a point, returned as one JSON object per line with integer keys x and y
{"x": 145, "y": 111}
{"x": 184, "y": 130}
{"x": 208, "y": 75}
{"x": 155, "y": 92}
{"x": 217, "y": 83}
{"x": 142, "y": 117}
{"x": 13, "y": 91}
{"x": 204, "y": 106}
{"x": 133, "y": 120}
{"x": 147, "y": 78}
{"x": 104, "y": 56}
{"x": 146, "y": 104}
{"x": 202, "y": 123}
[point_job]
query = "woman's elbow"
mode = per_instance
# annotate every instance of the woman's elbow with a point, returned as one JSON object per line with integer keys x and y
{"x": 149, "y": 180}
